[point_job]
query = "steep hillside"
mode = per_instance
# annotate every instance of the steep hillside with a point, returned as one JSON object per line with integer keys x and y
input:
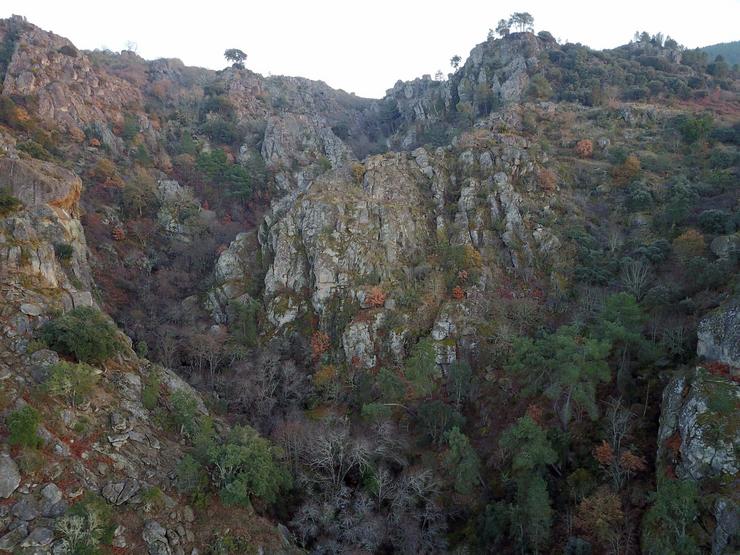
{"x": 495, "y": 312}
{"x": 730, "y": 51}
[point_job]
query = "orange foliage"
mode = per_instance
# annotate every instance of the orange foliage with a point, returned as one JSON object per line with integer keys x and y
{"x": 604, "y": 453}
{"x": 585, "y": 148}
{"x": 632, "y": 463}
{"x": 625, "y": 172}
{"x": 324, "y": 375}
{"x": 548, "y": 180}
{"x": 536, "y": 413}
{"x": 376, "y": 297}
{"x": 673, "y": 443}
{"x": 118, "y": 234}
{"x": 320, "y": 343}
{"x": 457, "y": 293}
{"x": 599, "y": 515}
{"x": 473, "y": 258}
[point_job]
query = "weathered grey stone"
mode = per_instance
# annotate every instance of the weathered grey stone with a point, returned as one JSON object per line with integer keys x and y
{"x": 39, "y": 537}
{"x": 155, "y": 538}
{"x": 119, "y": 493}
{"x": 10, "y": 476}
{"x": 719, "y": 335}
{"x": 14, "y": 537}
{"x": 31, "y": 309}
{"x": 26, "y": 509}
{"x": 727, "y": 531}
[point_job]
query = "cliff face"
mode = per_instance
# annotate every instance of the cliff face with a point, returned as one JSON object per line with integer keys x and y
{"x": 328, "y": 268}
{"x": 111, "y": 446}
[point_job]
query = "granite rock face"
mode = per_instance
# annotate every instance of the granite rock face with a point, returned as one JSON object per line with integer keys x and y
{"x": 10, "y": 477}
{"x": 719, "y": 335}
{"x": 71, "y": 91}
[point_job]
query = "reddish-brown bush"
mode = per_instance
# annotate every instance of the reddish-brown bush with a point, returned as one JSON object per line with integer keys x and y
{"x": 585, "y": 148}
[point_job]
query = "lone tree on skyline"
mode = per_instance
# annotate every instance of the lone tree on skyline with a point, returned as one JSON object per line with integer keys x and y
{"x": 523, "y": 20}
{"x": 455, "y": 61}
{"x": 235, "y": 56}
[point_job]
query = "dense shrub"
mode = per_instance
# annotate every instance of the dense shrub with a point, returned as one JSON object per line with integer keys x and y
{"x": 86, "y": 527}
{"x": 63, "y": 251}
{"x": 185, "y": 412}
{"x": 72, "y": 381}
{"x": 22, "y": 425}
{"x": 247, "y": 465}
{"x": 8, "y": 203}
{"x": 716, "y": 221}
{"x": 84, "y": 333}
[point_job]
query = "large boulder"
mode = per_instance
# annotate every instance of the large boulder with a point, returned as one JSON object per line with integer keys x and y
{"x": 699, "y": 439}
{"x": 719, "y": 335}
{"x": 10, "y": 477}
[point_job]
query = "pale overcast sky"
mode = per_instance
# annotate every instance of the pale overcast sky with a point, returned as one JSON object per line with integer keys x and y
{"x": 359, "y": 46}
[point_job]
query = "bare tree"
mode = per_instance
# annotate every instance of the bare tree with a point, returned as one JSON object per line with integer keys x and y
{"x": 636, "y": 277}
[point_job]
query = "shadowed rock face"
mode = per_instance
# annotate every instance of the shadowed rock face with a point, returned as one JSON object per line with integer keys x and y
{"x": 719, "y": 336}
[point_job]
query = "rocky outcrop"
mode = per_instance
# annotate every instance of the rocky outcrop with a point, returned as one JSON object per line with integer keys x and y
{"x": 718, "y": 335}
{"x": 341, "y": 232}
{"x": 699, "y": 439}
{"x": 10, "y": 477}
{"x": 44, "y": 241}
{"x": 299, "y": 147}
{"x": 72, "y": 92}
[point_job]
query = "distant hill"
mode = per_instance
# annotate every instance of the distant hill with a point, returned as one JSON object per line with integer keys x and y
{"x": 729, "y": 50}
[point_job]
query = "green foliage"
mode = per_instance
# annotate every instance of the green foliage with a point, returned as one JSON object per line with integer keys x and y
{"x": 216, "y": 167}
{"x": 669, "y": 525}
{"x": 150, "y": 391}
{"x": 527, "y": 447}
{"x": 63, "y": 251}
{"x": 566, "y": 366}
{"x": 191, "y": 478}
{"x": 392, "y": 387}
{"x": 459, "y": 382}
{"x": 8, "y": 203}
{"x": 83, "y": 332}
{"x": 244, "y": 322}
{"x": 138, "y": 197}
{"x": 34, "y": 149}
{"x": 539, "y": 87}
{"x": 717, "y": 221}
{"x": 185, "y": 412}
{"x": 247, "y": 465}
{"x": 531, "y": 515}
{"x": 620, "y": 323}
{"x": 87, "y": 527}
{"x": 696, "y": 128}
{"x": 528, "y": 452}
{"x": 462, "y": 461}
{"x": 436, "y": 418}
{"x": 130, "y": 127}
{"x": 375, "y": 411}
{"x": 22, "y": 425}
{"x": 72, "y": 381}
{"x": 421, "y": 368}
{"x": 221, "y": 131}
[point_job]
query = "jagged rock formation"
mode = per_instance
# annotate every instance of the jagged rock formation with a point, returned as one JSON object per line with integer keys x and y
{"x": 31, "y": 238}
{"x": 110, "y": 445}
{"x": 719, "y": 336}
{"x": 471, "y": 211}
{"x": 699, "y": 435}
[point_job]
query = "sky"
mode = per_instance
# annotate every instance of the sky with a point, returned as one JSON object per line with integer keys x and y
{"x": 360, "y": 46}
